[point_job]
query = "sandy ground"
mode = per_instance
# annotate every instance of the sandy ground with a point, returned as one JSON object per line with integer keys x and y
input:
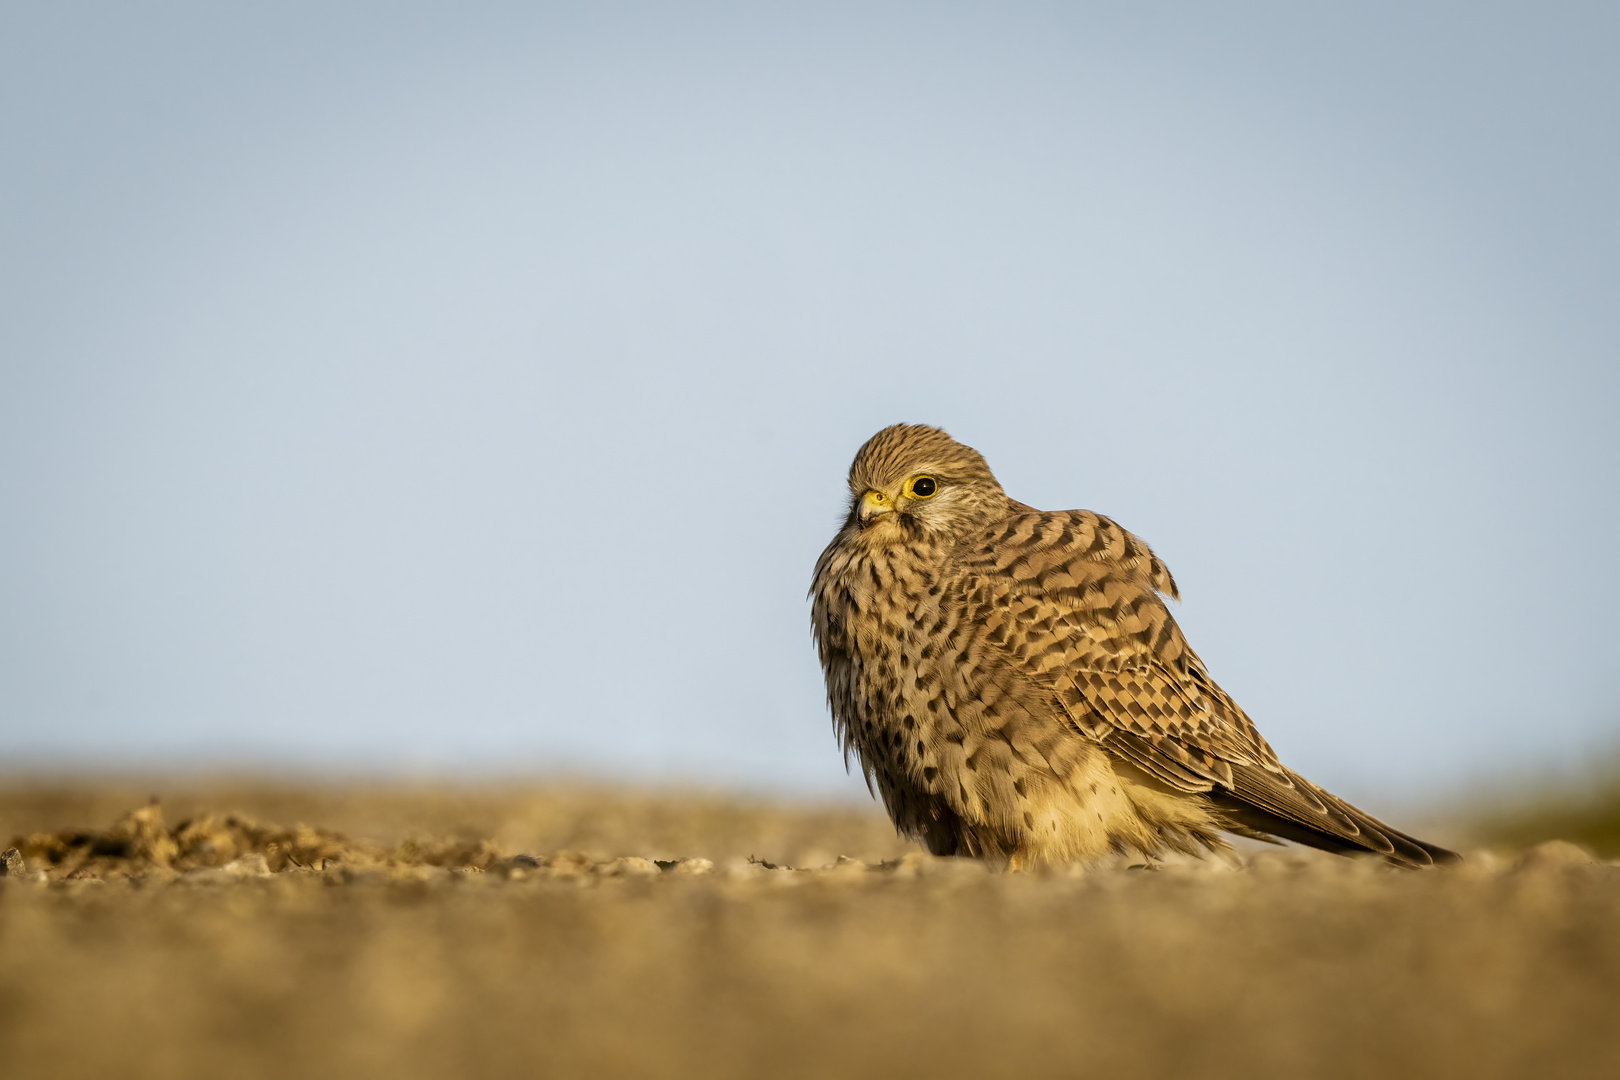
{"x": 262, "y": 931}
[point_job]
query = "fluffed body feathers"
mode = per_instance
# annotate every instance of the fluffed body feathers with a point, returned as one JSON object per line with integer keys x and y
{"x": 1016, "y": 689}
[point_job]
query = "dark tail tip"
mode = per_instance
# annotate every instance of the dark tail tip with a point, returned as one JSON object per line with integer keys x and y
{"x": 1437, "y": 855}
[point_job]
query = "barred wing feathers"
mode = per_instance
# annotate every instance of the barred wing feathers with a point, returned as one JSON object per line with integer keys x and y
{"x": 1076, "y": 602}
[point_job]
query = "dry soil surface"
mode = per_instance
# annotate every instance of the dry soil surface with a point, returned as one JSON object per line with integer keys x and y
{"x": 414, "y": 932}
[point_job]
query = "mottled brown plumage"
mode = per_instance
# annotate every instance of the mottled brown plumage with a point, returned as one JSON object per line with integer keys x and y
{"x": 1015, "y": 687}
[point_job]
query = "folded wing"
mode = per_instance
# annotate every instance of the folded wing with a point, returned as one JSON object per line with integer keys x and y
{"x": 1078, "y": 603}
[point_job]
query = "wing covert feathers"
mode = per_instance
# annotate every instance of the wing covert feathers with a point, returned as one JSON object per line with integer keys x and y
{"x": 1077, "y": 601}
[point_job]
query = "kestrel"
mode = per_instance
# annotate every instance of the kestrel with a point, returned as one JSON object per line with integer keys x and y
{"x": 1013, "y": 683}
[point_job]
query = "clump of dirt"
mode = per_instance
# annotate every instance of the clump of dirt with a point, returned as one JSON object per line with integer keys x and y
{"x": 140, "y": 845}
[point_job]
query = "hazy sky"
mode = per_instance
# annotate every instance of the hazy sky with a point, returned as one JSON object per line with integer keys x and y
{"x": 390, "y": 386}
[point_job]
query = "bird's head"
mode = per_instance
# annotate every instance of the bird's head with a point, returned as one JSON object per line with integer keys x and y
{"x": 910, "y": 479}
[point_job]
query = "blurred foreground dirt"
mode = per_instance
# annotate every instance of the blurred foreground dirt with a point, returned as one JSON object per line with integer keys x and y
{"x": 262, "y": 931}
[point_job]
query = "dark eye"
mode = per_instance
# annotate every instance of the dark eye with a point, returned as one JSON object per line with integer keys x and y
{"x": 923, "y": 487}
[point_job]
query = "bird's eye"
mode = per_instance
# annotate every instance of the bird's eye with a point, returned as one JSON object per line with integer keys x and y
{"x": 922, "y": 487}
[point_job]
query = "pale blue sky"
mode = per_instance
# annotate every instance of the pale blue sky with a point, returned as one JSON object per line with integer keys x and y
{"x": 426, "y": 386}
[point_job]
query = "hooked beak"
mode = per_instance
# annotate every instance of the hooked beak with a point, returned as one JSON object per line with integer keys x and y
{"x": 873, "y": 503}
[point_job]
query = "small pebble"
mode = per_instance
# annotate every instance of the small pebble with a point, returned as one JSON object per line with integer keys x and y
{"x": 11, "y": 863}
{"x": 1552, "y": 855}
{"x": 630, "y": 866}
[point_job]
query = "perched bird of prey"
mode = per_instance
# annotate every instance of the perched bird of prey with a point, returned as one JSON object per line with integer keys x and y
{"x": 1012, "y": 681}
